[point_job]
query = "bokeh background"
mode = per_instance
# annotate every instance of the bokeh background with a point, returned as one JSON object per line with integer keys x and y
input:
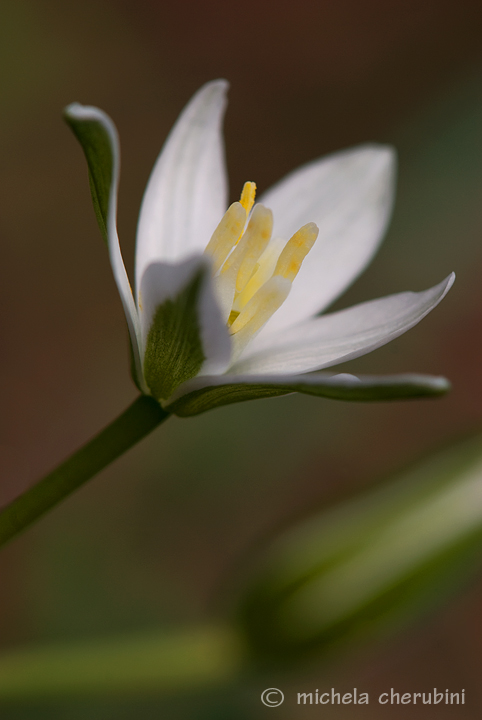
{"x": 152, "y": 541}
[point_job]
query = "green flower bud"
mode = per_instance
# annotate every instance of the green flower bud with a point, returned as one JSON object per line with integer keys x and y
{"x": 366, "y": 565}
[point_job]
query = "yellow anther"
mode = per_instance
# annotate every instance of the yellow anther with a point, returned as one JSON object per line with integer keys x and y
{"x": 226, "y": 235}
{"x": 295, "y": 251}
{"x": 258, "y": 311}
{"x": 245, "y": 255}
{"x": 248, "y": 195}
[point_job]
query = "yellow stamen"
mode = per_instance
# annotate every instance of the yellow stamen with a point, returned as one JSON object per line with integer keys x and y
{"x": 262, "y": 305}
{"x": 263, "y": 270}
{"x": 295, "y": 251}
{"x": 248, "y": 195}
{"x": 226, "y": 235}
{"x": 245, "y": 255}
{"x": 258, "y": 311}
{"x": 252, "y": 272}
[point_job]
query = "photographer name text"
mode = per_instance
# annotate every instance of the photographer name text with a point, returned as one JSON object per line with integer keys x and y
{"x": 391, "y": 697}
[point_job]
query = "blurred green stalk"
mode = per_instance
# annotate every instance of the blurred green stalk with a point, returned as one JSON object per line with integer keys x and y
{"x": 349, "y": 573}
{"x": 135, "y": 423}
{"x": 371, "y": 563}
{"x": 169, "y": 661}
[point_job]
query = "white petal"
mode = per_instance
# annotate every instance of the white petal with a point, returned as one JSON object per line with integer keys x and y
{"x": 163, "y": 281}
{"x": 186, "y": 195}
{"x": 93, "y": 114}
{"x": 330, "y": 339}
{"x": 349, "y": 195}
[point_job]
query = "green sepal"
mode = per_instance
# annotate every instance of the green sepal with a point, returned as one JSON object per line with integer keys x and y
{"x": 99, "y": 153}
{"x": 402, "y": 387}
{"x": 209, "y": 398}
{"x": 174, "y": 351}
{"x": 371, "y": 564}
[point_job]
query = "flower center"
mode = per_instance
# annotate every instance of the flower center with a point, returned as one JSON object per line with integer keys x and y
{"x": 253, "y": 272}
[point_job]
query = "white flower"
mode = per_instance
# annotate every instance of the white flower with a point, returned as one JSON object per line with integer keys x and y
{"x": 218, "y": 318}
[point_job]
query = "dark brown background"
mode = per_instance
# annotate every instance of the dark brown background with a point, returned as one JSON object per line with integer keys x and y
{"x": 148, "y": 542}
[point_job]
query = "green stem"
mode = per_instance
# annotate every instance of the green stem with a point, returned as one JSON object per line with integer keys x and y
{"x": 158, "y": 661}
{"x": 135, "y": 423}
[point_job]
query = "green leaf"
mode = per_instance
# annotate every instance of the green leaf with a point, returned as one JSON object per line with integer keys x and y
{"x": 99, "y": 143}
{"x": 174, "y": 351}
{"x": 367, "y": 565}
{"x": 336, "y": 387}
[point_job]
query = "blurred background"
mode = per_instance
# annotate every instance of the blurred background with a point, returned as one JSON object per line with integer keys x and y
{"x": 152, "y": 541}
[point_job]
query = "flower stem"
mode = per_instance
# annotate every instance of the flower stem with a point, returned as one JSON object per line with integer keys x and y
{"x": 182, "y": 660}
{"x": 135, "y": 423}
